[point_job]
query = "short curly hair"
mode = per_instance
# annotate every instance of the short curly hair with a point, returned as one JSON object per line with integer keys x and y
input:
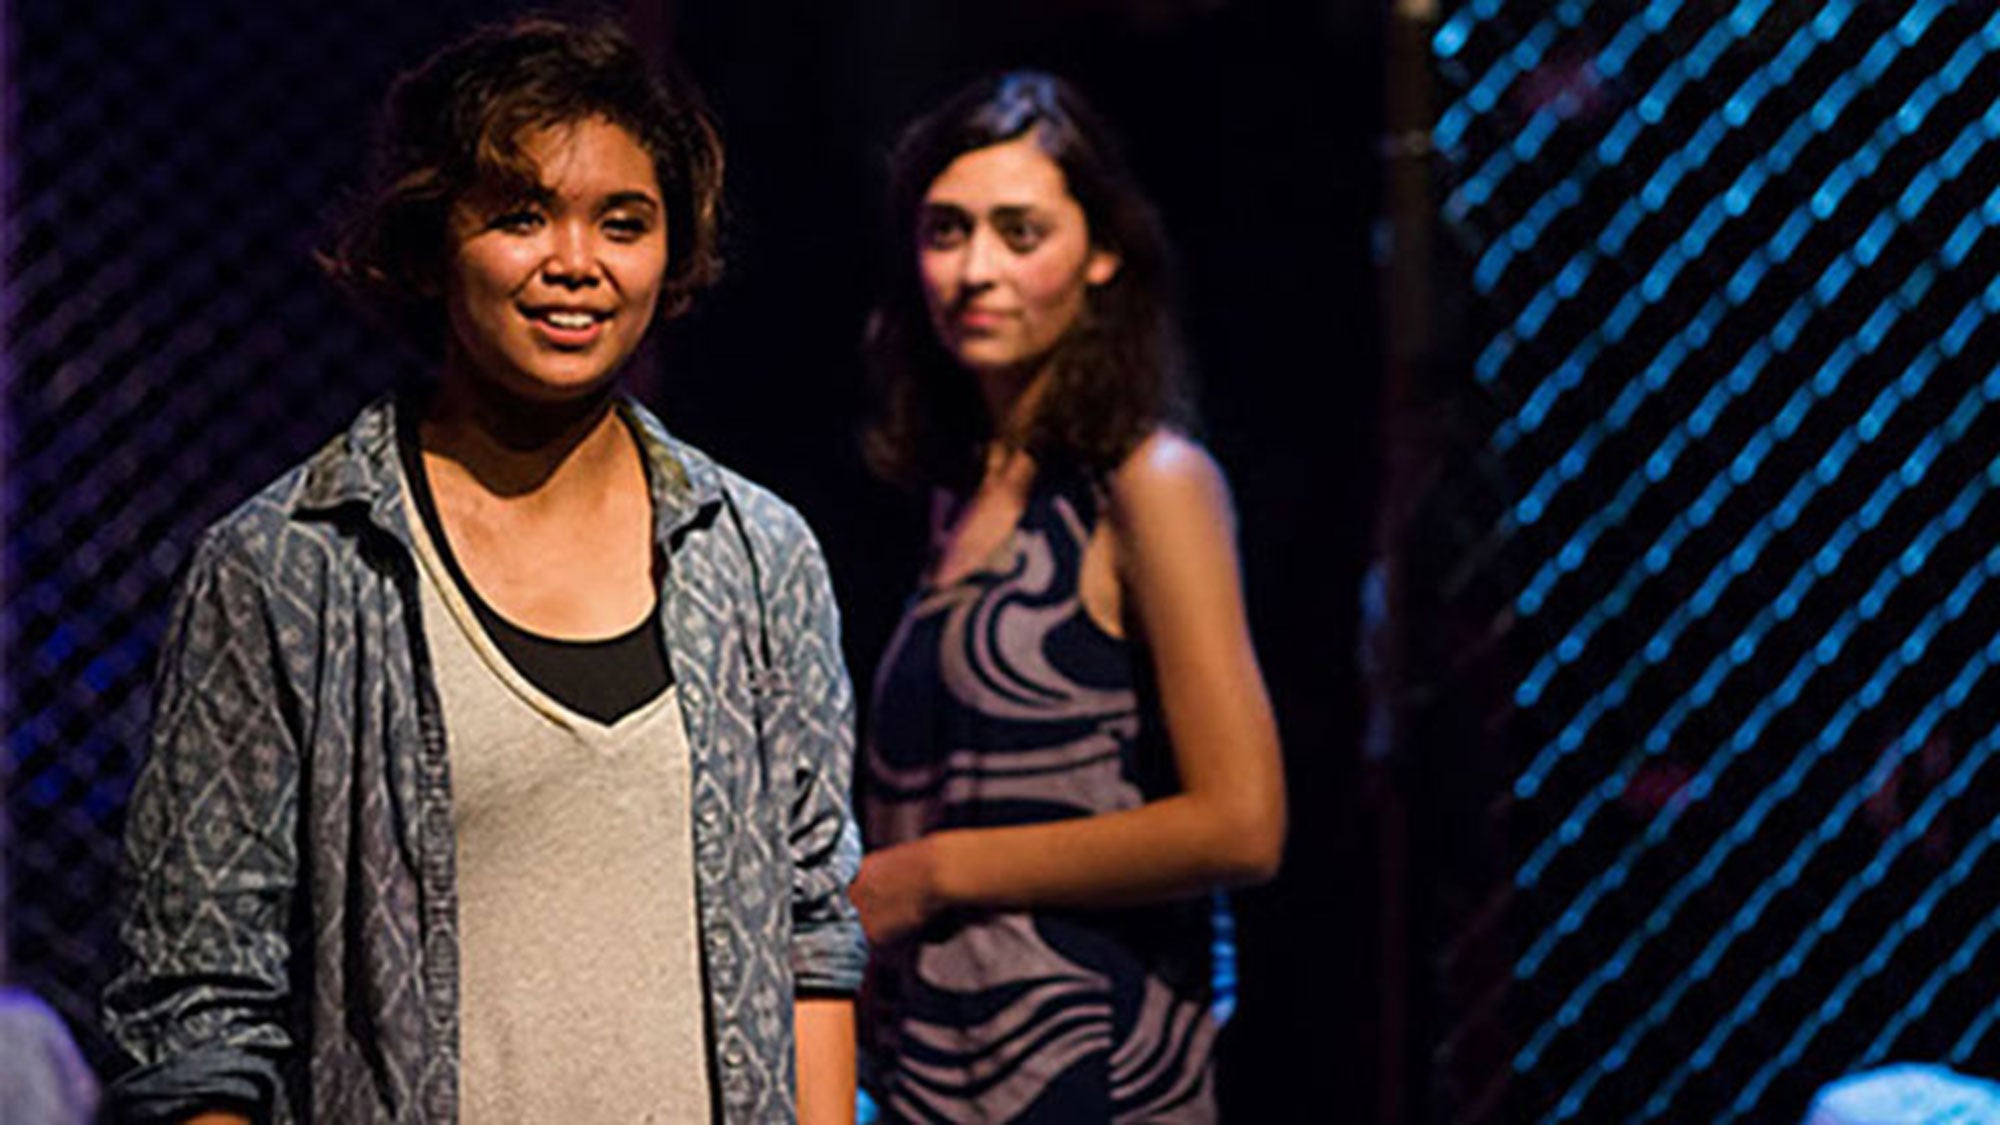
{"x": 454, "y": 125}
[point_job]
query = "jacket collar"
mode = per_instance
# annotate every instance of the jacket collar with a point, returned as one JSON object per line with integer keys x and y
{"x": 359, "y": 467}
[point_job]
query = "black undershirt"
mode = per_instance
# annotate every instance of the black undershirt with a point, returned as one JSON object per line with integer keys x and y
{"x": 603, "y": 679}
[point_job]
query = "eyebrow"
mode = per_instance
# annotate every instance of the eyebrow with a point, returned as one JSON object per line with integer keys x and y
{"x": 1009, "y": 212}
{"x": 619, "y": 199}
{"x": 498, "y": 198}
{"x": 540, "y": 195}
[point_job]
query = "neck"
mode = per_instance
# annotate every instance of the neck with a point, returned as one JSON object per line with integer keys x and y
{"x": 1012, "y": 396}
{"x": 515, "y": 447}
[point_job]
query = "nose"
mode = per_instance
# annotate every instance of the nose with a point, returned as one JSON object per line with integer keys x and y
{"x": 976, "y": 269}
{"x": 572, "y": 259}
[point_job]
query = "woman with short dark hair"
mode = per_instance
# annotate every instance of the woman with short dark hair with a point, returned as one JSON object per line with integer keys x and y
{"x": 501, "y": 750}
{"x": 1071, "y": 747}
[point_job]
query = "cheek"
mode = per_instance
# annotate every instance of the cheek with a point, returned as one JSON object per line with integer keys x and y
{"x": 643, "y": 272}
{"x": 935, "y": 273}
{"x": 464, "y": 297}
{"x": 1054, "y": 287}
{"x": 482, "y": 274}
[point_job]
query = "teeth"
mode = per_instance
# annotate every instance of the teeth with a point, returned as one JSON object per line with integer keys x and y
{"x": 570, "y": 319}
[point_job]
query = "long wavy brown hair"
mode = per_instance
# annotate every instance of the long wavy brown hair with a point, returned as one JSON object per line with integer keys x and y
{"x": 453, "y": 126}
{"x": 1117, "y": 375}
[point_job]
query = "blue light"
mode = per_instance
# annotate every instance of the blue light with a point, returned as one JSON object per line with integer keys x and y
{"x": 1746, "y": 278}
{"x": 1961, "y": 153}
{"x": 1823, "y": 654}
{"x": 1790, "y": 234}
{"x": 1961, "y": 329}
{"x": 1451, "y": 37}
{"x": 1961, "y": 240}
{"x": 1622, "y": 133}
{"x": 1804, "y": 362}
{"x": 1830, "y": 286}
{"x": 1529, "y": 141}
{"x": 1618, "y": 139}
{"x": 1916, "y": 22}
{"x": 1838, "y": 273}
{"x": 1786, "y": 785}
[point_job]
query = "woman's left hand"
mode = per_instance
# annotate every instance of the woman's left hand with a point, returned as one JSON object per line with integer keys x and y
{"x": 896, "y": 890}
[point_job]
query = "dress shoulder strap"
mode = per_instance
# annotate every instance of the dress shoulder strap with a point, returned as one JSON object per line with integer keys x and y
{"x": 1065, "y": 505}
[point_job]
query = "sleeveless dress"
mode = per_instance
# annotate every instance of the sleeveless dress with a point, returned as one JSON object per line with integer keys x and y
{"x": 1000, "y": 701}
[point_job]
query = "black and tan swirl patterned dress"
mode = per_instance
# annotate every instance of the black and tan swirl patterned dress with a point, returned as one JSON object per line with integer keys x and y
{"x": 1001, "y": 701}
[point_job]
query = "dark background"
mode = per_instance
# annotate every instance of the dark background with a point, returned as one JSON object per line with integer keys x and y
{"x": 170, "y": 348}
{"x": 1671, "y": 427}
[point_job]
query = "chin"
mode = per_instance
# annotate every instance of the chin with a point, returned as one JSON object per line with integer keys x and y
{"x": 557, "y": 387}
{"x": 579, "y": 391}
{"x": 1007, "y": 361}
{"x": 564, "y": 378}
{"x": 531, "y": 375}
{"x": 987, "y": 360}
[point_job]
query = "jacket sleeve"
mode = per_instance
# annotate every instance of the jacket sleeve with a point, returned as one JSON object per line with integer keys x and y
{"x": 211, "y": 856}
{"x": 815, "y": 713}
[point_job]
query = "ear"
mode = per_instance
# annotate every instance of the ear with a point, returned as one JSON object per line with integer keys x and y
{"x": 1102, "y": 266}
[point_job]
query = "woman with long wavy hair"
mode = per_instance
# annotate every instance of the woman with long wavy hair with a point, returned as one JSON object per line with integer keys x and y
{"x": 1071, "y": 746}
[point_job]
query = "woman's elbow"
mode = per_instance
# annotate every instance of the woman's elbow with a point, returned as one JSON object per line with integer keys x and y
{"x": 1252, "y": 849}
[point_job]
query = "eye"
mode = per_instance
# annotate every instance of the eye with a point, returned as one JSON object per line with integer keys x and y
{"x": 628, "y": 228}
{"x": 1021, "y": 235}
{"x": 518, "y": 220}
{"x": 942, "y": 229}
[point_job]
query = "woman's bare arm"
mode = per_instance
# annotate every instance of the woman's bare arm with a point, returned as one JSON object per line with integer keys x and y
{"x": 824, "y": 1028}
{"x": 1175, "y": 531}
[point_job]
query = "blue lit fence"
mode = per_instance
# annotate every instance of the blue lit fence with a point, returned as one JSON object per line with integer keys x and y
{"x": 1735, "y": 280}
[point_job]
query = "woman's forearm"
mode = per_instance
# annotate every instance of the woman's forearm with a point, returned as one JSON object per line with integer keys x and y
{"x": 1170, "y": 848}
{"x": 824, "y": 1029}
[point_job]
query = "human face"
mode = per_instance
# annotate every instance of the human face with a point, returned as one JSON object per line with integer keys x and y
{"x": 548, "y": 295}
{"x": 1005, "y": 256}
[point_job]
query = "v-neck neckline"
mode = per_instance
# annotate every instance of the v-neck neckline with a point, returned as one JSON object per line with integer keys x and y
{"x": 439, "y": 575}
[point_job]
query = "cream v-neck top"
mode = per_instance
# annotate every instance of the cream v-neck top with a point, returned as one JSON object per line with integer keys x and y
{"x": 580, "y": 978}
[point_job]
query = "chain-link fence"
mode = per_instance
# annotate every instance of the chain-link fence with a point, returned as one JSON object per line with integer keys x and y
{"x": 1732, "y": 275}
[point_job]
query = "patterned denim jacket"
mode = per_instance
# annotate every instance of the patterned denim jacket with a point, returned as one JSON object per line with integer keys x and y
{"x": 292, "y": 936}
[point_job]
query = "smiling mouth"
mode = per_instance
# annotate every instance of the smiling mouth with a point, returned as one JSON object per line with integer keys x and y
{"x": 569, "y": 320}
{"x": 567, "y": 329}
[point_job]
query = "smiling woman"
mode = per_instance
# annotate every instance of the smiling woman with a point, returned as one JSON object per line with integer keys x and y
{"x": 547, "y": 295}
{"x": 459, "y": 803}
